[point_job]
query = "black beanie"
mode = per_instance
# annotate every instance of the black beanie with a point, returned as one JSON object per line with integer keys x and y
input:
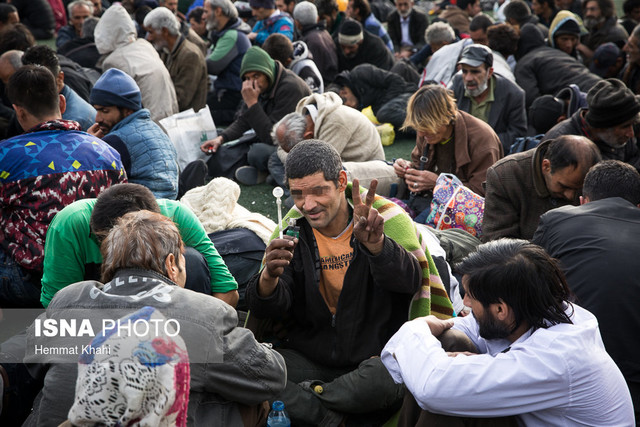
{"x": 568, "y": 27}
{"x": 544, "y": 113}
{"x": 610, "y": 103}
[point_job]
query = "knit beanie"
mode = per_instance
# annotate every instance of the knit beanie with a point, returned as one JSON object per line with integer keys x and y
{"x": 350, "y": 32}
{"x": 266, "y": 4}
{"x": 116, "y": 88}
{"x": 570, "y": 26}
{"x": 544, "y": 113}
{"x": 610, "y": 103}
{"x": 256, "y": 59}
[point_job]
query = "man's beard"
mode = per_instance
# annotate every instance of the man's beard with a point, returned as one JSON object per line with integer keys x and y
{"x": 480, "y": 89}
{"x": 406, "y": 13}
{"x": 491, "y": 328}
{"x": 592, "y": 23}
{"x": 609, "y": 138}
{"x": 212, "y": 24}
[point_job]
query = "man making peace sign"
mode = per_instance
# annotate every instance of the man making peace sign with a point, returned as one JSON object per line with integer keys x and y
{"x": 341, "y": 289}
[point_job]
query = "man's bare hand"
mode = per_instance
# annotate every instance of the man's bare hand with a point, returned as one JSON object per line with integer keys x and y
{"x": 212, "y": 145}
{"x": 250, "y": 92}
{"x": 278, "y": 255}
{"x": 368, "y": 223}
{"x": 438, "y": 326}
{"x": 95, "y": 130}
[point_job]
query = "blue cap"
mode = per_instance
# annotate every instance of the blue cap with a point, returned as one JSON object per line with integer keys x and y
{"x": 278, "y": 405}
{"x": 116, "y": 88}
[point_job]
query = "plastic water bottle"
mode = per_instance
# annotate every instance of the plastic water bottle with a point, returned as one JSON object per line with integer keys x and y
{"x": 278, "y": 416}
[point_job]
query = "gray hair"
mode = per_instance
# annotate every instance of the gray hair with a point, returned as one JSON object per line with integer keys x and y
{"x": 294, "y": 127}
{"x": 89, "y": 26}
{"x": 306, "y": 13}
{"x": 13, "y": 58}
{"x": 439, "y": 32}
{"x": 228, "y": 8}
{"x": 160, "y": 18}
{"x": 75, "y": 3}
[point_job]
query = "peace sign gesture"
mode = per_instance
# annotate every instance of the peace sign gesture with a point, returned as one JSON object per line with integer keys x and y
{"x": 367, "y": 222}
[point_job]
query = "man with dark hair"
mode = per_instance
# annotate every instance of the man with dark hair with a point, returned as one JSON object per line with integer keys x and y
{"x": 8, "y": 15}
{"x": 360, "y": 10}
{"x": 342, "y": 287}
{"x": 459, "y": 15}
{"x": 269, "y": 20}
{"x": 295, "y": 56}
{"x": 631, "y": 17}
{"x": 197, "y": 22}
{"x": 231, "y": 373}
{"x": 596, "y": 244}
{"x": 545, "y": 10}
{"x": 406, "y": 26}
{"x": 72, "y": 249}
{"x": 609, "y": 121}
{"x": 503, "y": 41}
{"x": 148, "y": 154}
{"x": 77, "y": 109}
{"x": 518, "y": 14}
{"x": 541, "y": 358}
{"x": 489, "y": 97}
{"x": 286, "y": 6}
{"x": 329, "y": 13}
{"x": 37, "y": 15}
{"x": 523, "y": 186}
{"x": 478, "y": 28}
{"x": 600, "y": 19}
{"x": 51, "y": 165}
{"x": 356, "y": 46}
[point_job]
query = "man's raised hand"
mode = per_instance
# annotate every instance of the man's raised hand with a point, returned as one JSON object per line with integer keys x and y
{"x": 368, "y": 224}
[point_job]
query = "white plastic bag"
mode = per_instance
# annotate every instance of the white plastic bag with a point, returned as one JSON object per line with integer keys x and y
{"x": 188, "y": 130}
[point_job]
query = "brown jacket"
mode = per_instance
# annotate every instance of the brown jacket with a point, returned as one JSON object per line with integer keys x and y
{"x": 517, "y": 196}
{"x": 477, "y": 147}
{"x": 188, "y": 70}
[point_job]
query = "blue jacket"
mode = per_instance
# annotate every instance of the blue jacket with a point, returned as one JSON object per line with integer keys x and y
{"x": 153, "y": 156}
{"x": 78, "y": 109}
{"x": 281, "y": 23}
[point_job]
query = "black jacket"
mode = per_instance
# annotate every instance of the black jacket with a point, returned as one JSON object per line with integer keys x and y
{"x": 543, "y": 70}
{"x": 373, "y": 304}
{"x": 371, "y": 51}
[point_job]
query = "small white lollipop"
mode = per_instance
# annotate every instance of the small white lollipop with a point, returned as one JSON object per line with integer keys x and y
{"x": 278, "y": 192}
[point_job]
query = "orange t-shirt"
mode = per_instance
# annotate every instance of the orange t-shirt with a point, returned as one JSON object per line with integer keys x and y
{"x": 336, "y": 254}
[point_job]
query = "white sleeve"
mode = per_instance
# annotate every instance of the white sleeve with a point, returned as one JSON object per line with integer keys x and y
{"x": 482, "y": 385}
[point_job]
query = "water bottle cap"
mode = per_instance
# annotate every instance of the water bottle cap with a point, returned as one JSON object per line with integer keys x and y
{"x": 278, "y": 405}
